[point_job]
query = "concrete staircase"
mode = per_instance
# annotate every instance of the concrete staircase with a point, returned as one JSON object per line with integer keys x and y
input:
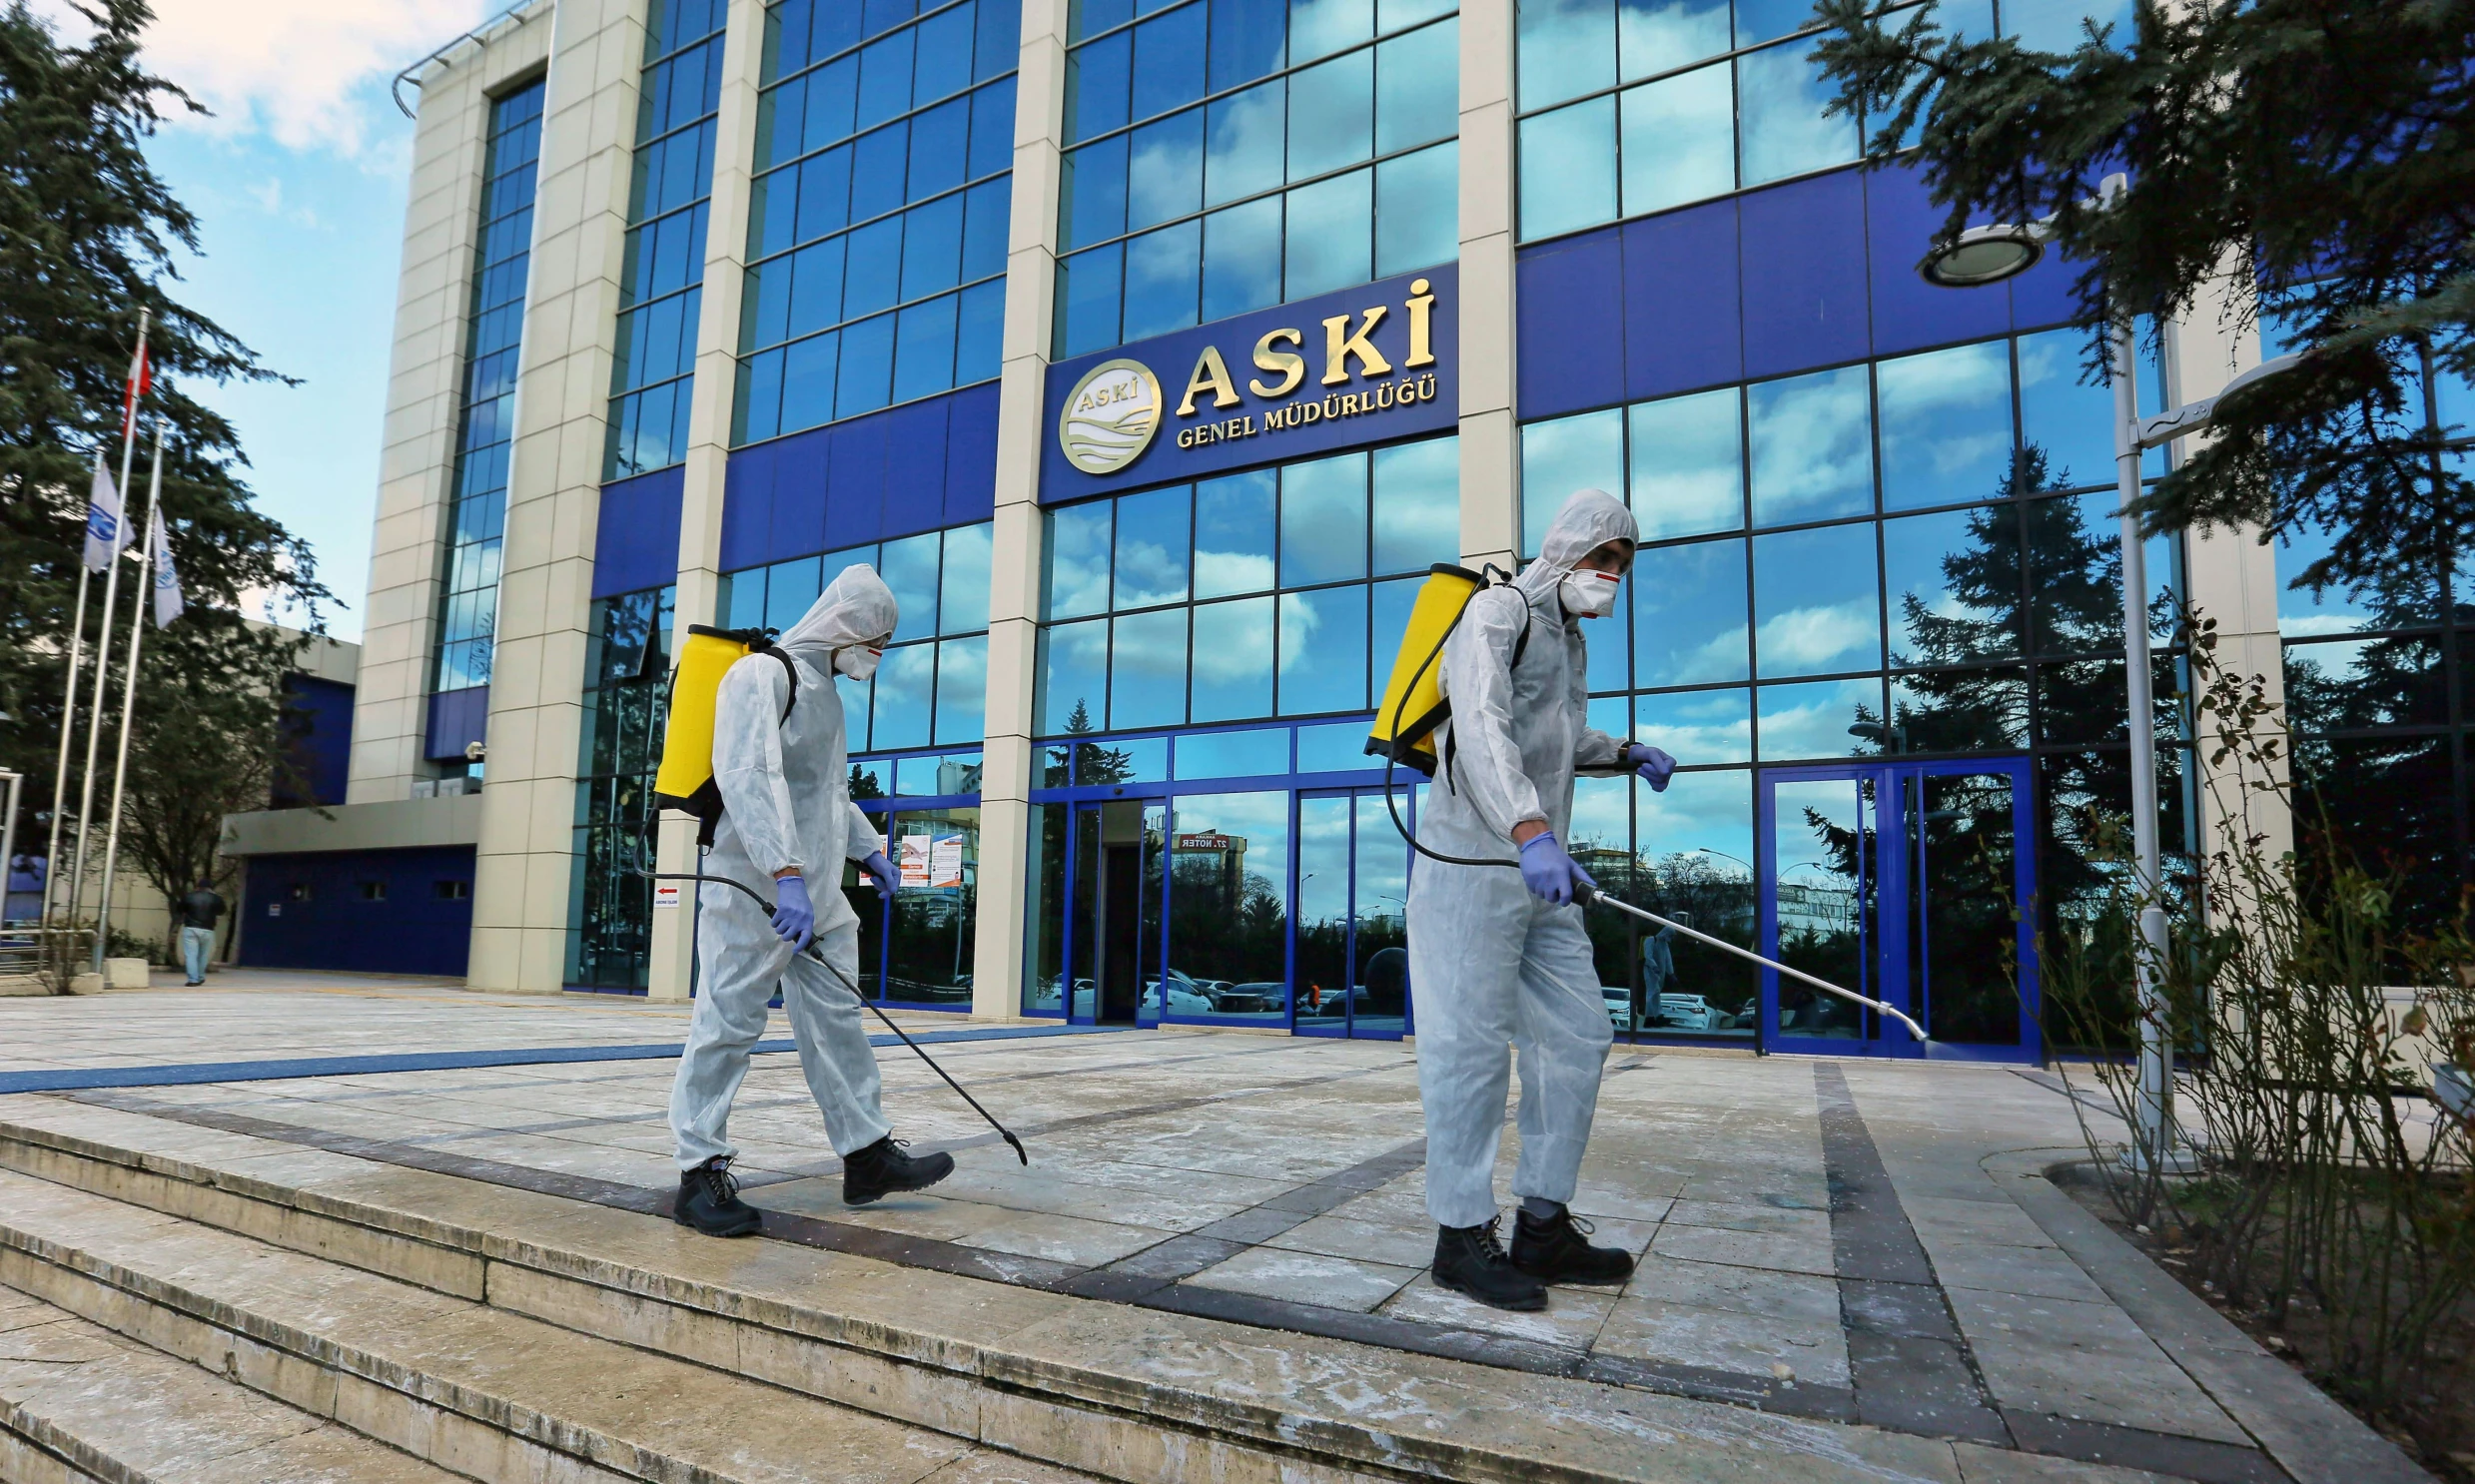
{"x": 440, "y": 1323}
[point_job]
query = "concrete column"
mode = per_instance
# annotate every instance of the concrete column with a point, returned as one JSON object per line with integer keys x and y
{"x": 1014, "y": 577}
{"x": 525, "y": 861}
{"x": 2232, "y": 577}
{"x": 708, "y": 428}
{"x": 1490, "y": 443}
{"x": 417, "y": 465}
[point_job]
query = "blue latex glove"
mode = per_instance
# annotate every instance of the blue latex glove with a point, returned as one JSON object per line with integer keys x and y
{"x": 1650, "y": 765}
{"x": 794, "y": 919}
{"x": 1548, "y": 872}
{"x": 881, "y": 870}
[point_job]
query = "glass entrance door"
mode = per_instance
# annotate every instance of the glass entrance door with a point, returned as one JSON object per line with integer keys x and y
{"x": 1353, "y": 917}
{"x": 1911, "y": 883}
{"x": 1115, "y": 938}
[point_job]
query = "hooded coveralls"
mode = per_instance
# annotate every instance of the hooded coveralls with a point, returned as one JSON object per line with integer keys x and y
{"x": 787, "y": 803}
{"x": 1493, "y": 966}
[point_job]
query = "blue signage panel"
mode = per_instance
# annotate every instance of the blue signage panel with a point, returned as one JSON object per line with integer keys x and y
{"x": 1364, "y": 366}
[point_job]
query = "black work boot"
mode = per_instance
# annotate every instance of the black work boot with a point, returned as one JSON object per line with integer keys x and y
{"x": 885, "y": 1166}
{"x": 709, "y": 1201}
{"x": 1469, "y": 1260}
{"x": 1555, "y": 1251}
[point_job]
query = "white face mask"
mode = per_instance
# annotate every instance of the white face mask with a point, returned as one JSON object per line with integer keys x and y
{"x": 1589, "y": 594}
{"x": 859, "y": 662}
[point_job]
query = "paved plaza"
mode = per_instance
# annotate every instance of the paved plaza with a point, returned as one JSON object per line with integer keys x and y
{"x": 1864, "y": 1255}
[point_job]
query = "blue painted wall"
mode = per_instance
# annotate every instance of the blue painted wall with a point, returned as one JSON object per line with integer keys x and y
{"x": 636, "y": 541}
{"x": 1815, "y": 273}
{"x": 898, "y": 472}
{"x": 413, "y": 930}
{"x": 456, "y": 717}
{"x": 320, "y": 741}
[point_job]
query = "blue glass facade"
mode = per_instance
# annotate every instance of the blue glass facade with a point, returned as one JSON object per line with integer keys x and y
{"x": 485, "y": 423}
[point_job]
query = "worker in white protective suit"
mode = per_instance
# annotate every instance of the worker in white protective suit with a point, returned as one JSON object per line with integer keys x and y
{"x": 1498, "y": 959}
{"x": 780, "y": 761}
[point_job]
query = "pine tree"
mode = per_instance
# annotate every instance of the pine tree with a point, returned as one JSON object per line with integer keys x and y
{"x": 87, "y": 233}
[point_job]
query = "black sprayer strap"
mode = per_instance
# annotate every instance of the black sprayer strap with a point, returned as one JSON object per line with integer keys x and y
{"x": 1392, "y": 804}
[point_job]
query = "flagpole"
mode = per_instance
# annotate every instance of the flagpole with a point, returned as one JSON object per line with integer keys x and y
{"x": 129, "y": 685}
{"x": 68, "y": 726}
{"x": 103, "y": 663}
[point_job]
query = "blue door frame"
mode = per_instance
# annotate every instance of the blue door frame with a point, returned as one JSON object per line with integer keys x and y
{"x": 1895, "y": 875}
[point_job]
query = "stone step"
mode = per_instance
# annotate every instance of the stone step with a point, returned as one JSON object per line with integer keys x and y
{"x": 79, "y": 1402}
{"x": 1109, "y": 1389}
{"x": 470, "y": 1388}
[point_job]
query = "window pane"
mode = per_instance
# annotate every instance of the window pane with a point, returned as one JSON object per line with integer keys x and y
{"x": 932, "y": 248}
{"x": 1568, "y": 169}
{"x": 1954, "y": 586}
{"x": 965, "y": 604}
{"x": 1679, "y": 141}
{"x": 1812, "y": 720}
{"x": 1816, "y": 607}
{"x": 1074, "y": 668}
{"x": 1241, "y": 259}
{"x": 1322, "y": 650}
{"x": 944, "y": 53}
{"x": 1077, "y": 579}
{"x": 1561, "y": 458}
{"x": 1418, "y": 88}
{"x": 1689, "y": 615}
{"x": 1160, "y": 270}
{"x": 1813, "y": 448}
{"x": 1228, "y": 932}
{"x": 2075, "y": 576}
{"x": 1330, "y": 240}
{"x": 983, "y": 231}
{"x": 877, "y": 165}
{"x": 978, "y": 333}
{"x": 1780, "y": 96}
{"x": 1688, "y": 466}
{"x": 2346, "y": 684}
{"x": 909, "y": 567}
{"x": 872, "y": 278}
{"x": 1164, "y": 173}
{"x": 1092, "y": 192}
{"x": 906, "y": 684}
{"x": 1960, "y": 711}
{"x": 940, "y": 146}
{"x": 867, "y": 367}
{"x": 992, "y": 130}
{"x": 1767, "y": 20}
{"x": 924, "y": 349}
{"x": 1151, "y": 548}
{"x": 2305, "y": 612}
{"x": 1147, "y": 671}
{"x": 1169, "y": 61}
{"x": 1417, "y": 210}
{"x": 1254, "y": 754}
{"x": 808, "y": 381}
{"x": 1318, "y": 28}
{"x": 1657, "y": 35}
{"x": 1232, "y": 661}
{"x": 1095, "y": 82}
{"x": 1417, "y": 504}
{"x": 1946, "y": 425}
{"x": 1695, "y": 727}
{"x": 1331, "y": 114}
{"x": 1324, "y": 521}
{"x": 1566, "y": 48}
{"x": 1247, "y": 143}
{"x": 1088, "y": 294}
{"x": 1235, "y": 521}
{"x": 1249, "y": 38}
{"x": 2070, "y": 424}
{"x": 962, "y": 690}
{"x": 2056, "y": 25}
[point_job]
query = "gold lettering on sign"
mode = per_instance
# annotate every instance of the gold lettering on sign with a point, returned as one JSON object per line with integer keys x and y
{"x": 1422, "y": 308}
{"x": 1339, "y": 345}
{"x": 1210, "y": 374}
{"x": 1290, "y": 365}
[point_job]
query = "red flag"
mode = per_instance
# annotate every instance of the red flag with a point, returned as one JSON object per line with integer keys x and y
{"x": 140, "y": 380}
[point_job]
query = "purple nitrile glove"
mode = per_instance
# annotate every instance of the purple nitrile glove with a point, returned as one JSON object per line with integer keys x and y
{"x": 881, "y": 870}
{"x": 1651, "y": 765}
{"x": 794, "y": 918}
{"x": 1549, "y": 873}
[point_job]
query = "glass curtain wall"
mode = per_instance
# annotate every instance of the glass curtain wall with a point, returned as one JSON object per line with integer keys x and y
{"x": 1911, "y": 556}
{"x": 1275, "y": 592}
{"x": 932, "y": 687}
{"x": 877, "y": 223}
{"x": 484, "y": 428}
{"x": 662, "y": 273}
{"x": 1228, "y": 155}
{"x": 1636, "y": 106}
{"x": 626, "y": 691}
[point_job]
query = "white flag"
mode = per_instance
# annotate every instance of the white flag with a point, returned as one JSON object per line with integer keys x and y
{"x": 167, "y": 603}
{"x": 104, "y": 535}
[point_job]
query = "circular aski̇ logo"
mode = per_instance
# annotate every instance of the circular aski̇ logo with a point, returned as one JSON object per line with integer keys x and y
{"x": 1110, "y": 416}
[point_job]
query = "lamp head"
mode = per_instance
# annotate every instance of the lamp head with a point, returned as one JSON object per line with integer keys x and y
{"x": 1982, "y": 256}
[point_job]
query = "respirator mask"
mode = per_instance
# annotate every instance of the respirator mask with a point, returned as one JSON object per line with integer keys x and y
{"x": 1589, "y": 594}
{"x": 859, "y": 662}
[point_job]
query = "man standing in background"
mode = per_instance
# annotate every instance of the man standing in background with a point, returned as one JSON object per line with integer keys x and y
{"x": 199, "y": 913}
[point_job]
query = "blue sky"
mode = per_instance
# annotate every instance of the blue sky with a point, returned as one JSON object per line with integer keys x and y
{"x": 298, "y": 182}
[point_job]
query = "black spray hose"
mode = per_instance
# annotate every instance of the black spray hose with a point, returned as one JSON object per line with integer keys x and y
{"x": 811, "y": 953}
{"x": 1399, "y": 709}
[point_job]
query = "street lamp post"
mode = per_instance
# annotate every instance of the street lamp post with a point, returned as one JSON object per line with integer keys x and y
{"x": 1989, "y": 255}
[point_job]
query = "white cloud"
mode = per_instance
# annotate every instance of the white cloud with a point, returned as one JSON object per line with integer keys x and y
{"x": 298, "y": 70}
{"x": 1803, "y": 640}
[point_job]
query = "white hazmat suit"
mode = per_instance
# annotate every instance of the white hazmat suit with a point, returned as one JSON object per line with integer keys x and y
{"x": 1492, "y": 965}
{"x": 787, "y": 803}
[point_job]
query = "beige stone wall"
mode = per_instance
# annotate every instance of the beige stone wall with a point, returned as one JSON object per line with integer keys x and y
{"x": 1490, "y": 438}
{"x": 525, "y": 863}
{"x": 434, "y": 296}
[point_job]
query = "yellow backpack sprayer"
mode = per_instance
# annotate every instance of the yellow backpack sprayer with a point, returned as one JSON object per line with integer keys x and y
{"x": 1415, "y": 708}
